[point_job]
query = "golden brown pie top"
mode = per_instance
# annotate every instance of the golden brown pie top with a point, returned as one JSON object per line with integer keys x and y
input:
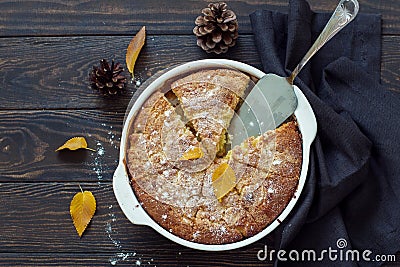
{"x": 178, "y": 193}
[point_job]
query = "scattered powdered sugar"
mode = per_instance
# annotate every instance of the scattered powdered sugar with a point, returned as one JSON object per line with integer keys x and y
{"x": 110, "y": 231}
{"x": 249, "y": 196}
{"x": 121, "y": 255}
{"x": 271, "y": 190}
{"x": 148, "y": 164}
{"x": 276, "y": 162}
{"x": 167, "y": 113}
{"x": 109, "y": 228}
{"x": 136, "y": 80}
{"x": 98, "y": 162}
{"x": 114, "y": 141}
{"x": 100, "y": 152}
{"x": 219, "y": 231}
{"x": 196, "y": 234}
{"x": 165, "y": 195}
{"x": 100, "y": 167}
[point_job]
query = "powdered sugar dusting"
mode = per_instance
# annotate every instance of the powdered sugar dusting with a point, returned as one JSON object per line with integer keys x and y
{"x": 109, "y": 228}
{"x": 121, "y": 255}
{"x": 112, "y": 138}
{"x": 98, "y": 161}
{"x": 271, "y": 190}
{"x": 277, "y": 162}
{"x": 100, "y": 167}
{"x": 100, "y": 152}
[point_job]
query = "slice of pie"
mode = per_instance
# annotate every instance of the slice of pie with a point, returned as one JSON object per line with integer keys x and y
{"x": 209, "y": 99}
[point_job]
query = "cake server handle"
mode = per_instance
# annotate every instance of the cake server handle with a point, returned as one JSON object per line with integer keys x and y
{"x": 344, "y": 13}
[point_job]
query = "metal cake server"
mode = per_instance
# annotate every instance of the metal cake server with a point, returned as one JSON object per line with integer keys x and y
{"x": 253, "y": 118}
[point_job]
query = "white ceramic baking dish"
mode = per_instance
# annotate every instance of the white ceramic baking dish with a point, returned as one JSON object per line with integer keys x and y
{"x": 126, "y": 197}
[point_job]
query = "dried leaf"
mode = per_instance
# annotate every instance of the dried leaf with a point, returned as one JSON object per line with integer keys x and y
{"x": 82, "y": 209}
{"x": 74, "y": 144}
{"x": 223, "y": 180}
{"x": 134, "y": 48}
{"x": 194, "y": 153}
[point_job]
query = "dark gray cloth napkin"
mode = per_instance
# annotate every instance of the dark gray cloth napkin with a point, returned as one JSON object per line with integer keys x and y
{"x": 352, "y": 191}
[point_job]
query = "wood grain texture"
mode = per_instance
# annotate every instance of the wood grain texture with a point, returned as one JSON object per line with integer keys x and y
{"x": 28, "y": 140}
{"x": 37, "y": 230}
{"x": 390, "y": 66}
{"x": 47, "y": 49}
{"x": 56, "y": 75}
{"x": 36, "y": 219}
{"x": 160, "y": 259}
{"x": 55, "y": 17}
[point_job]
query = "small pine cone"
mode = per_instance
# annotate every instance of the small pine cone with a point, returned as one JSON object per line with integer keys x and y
{"x": 108, "y": 79}
{"x": 216, "y": 29}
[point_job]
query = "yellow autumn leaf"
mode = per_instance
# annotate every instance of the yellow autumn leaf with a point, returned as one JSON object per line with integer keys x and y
{"x": 82, "y": 209}
{"x": 134, "y": 48}
{"x": 74, "y": 144}
{"x": 223, "y": 180}
{"x": 194, "y": 153}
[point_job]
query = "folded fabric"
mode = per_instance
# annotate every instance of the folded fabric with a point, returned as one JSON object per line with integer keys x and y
{"x": 352, "y": 193}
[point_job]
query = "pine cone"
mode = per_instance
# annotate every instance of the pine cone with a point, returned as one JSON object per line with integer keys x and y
{"x": 216, "y": 29}
{"x": 108, "y": 79}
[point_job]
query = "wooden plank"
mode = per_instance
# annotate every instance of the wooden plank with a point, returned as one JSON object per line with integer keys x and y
{"x": 390, "y": 66}
{"x": 36, "y": 229}
{"x": 55, "y": 76}
{"x": 57, "y": 17}
{"x": 28, "y": 141}
{"x": 160, "y": 258}
{"x": 36, "y": 219}
{"x": 110, "y": 237}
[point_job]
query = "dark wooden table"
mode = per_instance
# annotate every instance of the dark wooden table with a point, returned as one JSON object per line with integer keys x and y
{"x": 47, "y": 49}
